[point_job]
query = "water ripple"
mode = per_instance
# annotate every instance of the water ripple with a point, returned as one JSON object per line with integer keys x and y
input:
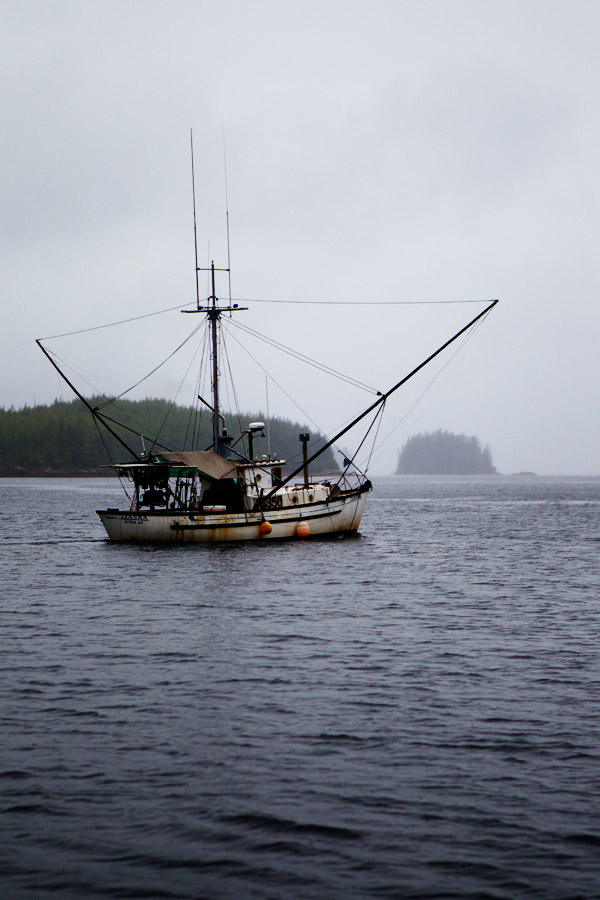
{"x": 413, "y": 714}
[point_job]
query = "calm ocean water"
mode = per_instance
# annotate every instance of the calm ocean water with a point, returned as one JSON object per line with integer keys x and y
{"x": 411, "y": 713}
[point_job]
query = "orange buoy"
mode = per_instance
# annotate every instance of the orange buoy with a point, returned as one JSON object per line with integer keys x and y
{"x": 302, "y": 529}
{"x": 265, "y": 527}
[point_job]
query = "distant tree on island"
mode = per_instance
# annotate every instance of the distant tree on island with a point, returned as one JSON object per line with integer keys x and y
{"x": 444, "y": 453}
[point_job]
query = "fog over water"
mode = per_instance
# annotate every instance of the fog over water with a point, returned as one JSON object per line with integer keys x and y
{"x": 378, "y": 151}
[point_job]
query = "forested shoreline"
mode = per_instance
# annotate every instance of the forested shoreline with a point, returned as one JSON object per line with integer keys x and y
{"x": 62, "y": 439}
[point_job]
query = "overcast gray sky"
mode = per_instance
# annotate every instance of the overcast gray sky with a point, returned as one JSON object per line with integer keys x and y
{"x": 376, "y": 150}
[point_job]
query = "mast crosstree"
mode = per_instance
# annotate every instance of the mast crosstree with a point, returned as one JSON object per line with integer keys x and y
{"x": 213, "y": 312}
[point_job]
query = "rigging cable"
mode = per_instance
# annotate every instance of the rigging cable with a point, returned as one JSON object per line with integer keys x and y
{"x": 156, "y": 368}
{"x": 180, "y": 306}
{"x": 307, "y": 359}
{"x": 193, "y": 416}
{"x": 428, "y": 387}
{"x": 281, "y": 388}
{"x": 269, "y": 341}
{"x": 96, "y": 410}
{"x": 308, "y": 417}
{"x": 172, "y": 404}
{"x": 378, "y": 416}
{"x": 231, "y": 382}
{"x": 158, "y": 312}
{"x": 380, "y": 400}
{"x": 66, "y": 365}
{"x": 108, "y": 453}
{"x": 135, "y": 431}
{"x": 375, "y": 436}
{"x": 363, "y": 302}
{"x": 202, "y": 376}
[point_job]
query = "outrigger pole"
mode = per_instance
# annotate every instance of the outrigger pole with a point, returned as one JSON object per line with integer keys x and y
{"x": 381, "y": 399}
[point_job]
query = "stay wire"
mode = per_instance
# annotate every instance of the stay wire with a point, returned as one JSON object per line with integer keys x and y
{"x": 158, "y": 312}
{"x": 172, "y": 404}
{"x": 227, "y": 387}
{"x": 108, "y": 453}
{"x": 192, "y": 418}
{"x": 309, "y": 418}
{"x": 427, "y": 388}
{"x": 307, "y": 359}
{"x": 155, "y": 369}
{"x": 375, "y": 436}
{"x": 199, "y": 407}
{"x": 281, "y": 388}
{"x": 362, "y": 302}
{"x": 69, "y": 367}
{"x": 179, "y": 306}
{"x": 231, "y": 381}
{"x": 378, "y": 415}
{"x": 137, "y": 431}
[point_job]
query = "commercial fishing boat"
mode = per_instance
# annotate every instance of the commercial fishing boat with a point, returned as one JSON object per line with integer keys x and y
{"x": 222, "y": 493}
{"x": 226, "y": 492}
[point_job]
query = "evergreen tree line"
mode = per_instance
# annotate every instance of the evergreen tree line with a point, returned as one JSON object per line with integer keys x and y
{"x": 63, "y": 438}
{"x": 444, "y": 453}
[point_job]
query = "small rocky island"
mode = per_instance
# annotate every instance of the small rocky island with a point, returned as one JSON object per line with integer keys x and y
{"x": 443, "y": 453}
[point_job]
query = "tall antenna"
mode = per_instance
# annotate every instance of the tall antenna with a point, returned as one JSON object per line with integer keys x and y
{"x": 213, "y": 313}
{"x": 268, "y": 417}
{"x": 227, "y": 214}
{"x": 195, "y": 234}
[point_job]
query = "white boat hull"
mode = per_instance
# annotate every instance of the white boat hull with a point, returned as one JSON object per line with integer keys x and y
{"x": 166, "y": 526}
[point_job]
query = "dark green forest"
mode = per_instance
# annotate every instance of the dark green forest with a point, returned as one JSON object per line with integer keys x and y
{"x": 63, "y": 438}
{"x": 444, "y": 453}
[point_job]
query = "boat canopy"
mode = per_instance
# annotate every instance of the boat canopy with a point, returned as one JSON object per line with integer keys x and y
{"x": 207, "y": 462}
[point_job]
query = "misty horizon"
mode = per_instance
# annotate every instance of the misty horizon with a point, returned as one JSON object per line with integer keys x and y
{"x": 411, "y": 152}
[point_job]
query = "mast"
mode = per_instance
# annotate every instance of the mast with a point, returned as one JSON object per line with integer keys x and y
{"x": 213, "y": 316}
{"x": 213, "y": 313}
